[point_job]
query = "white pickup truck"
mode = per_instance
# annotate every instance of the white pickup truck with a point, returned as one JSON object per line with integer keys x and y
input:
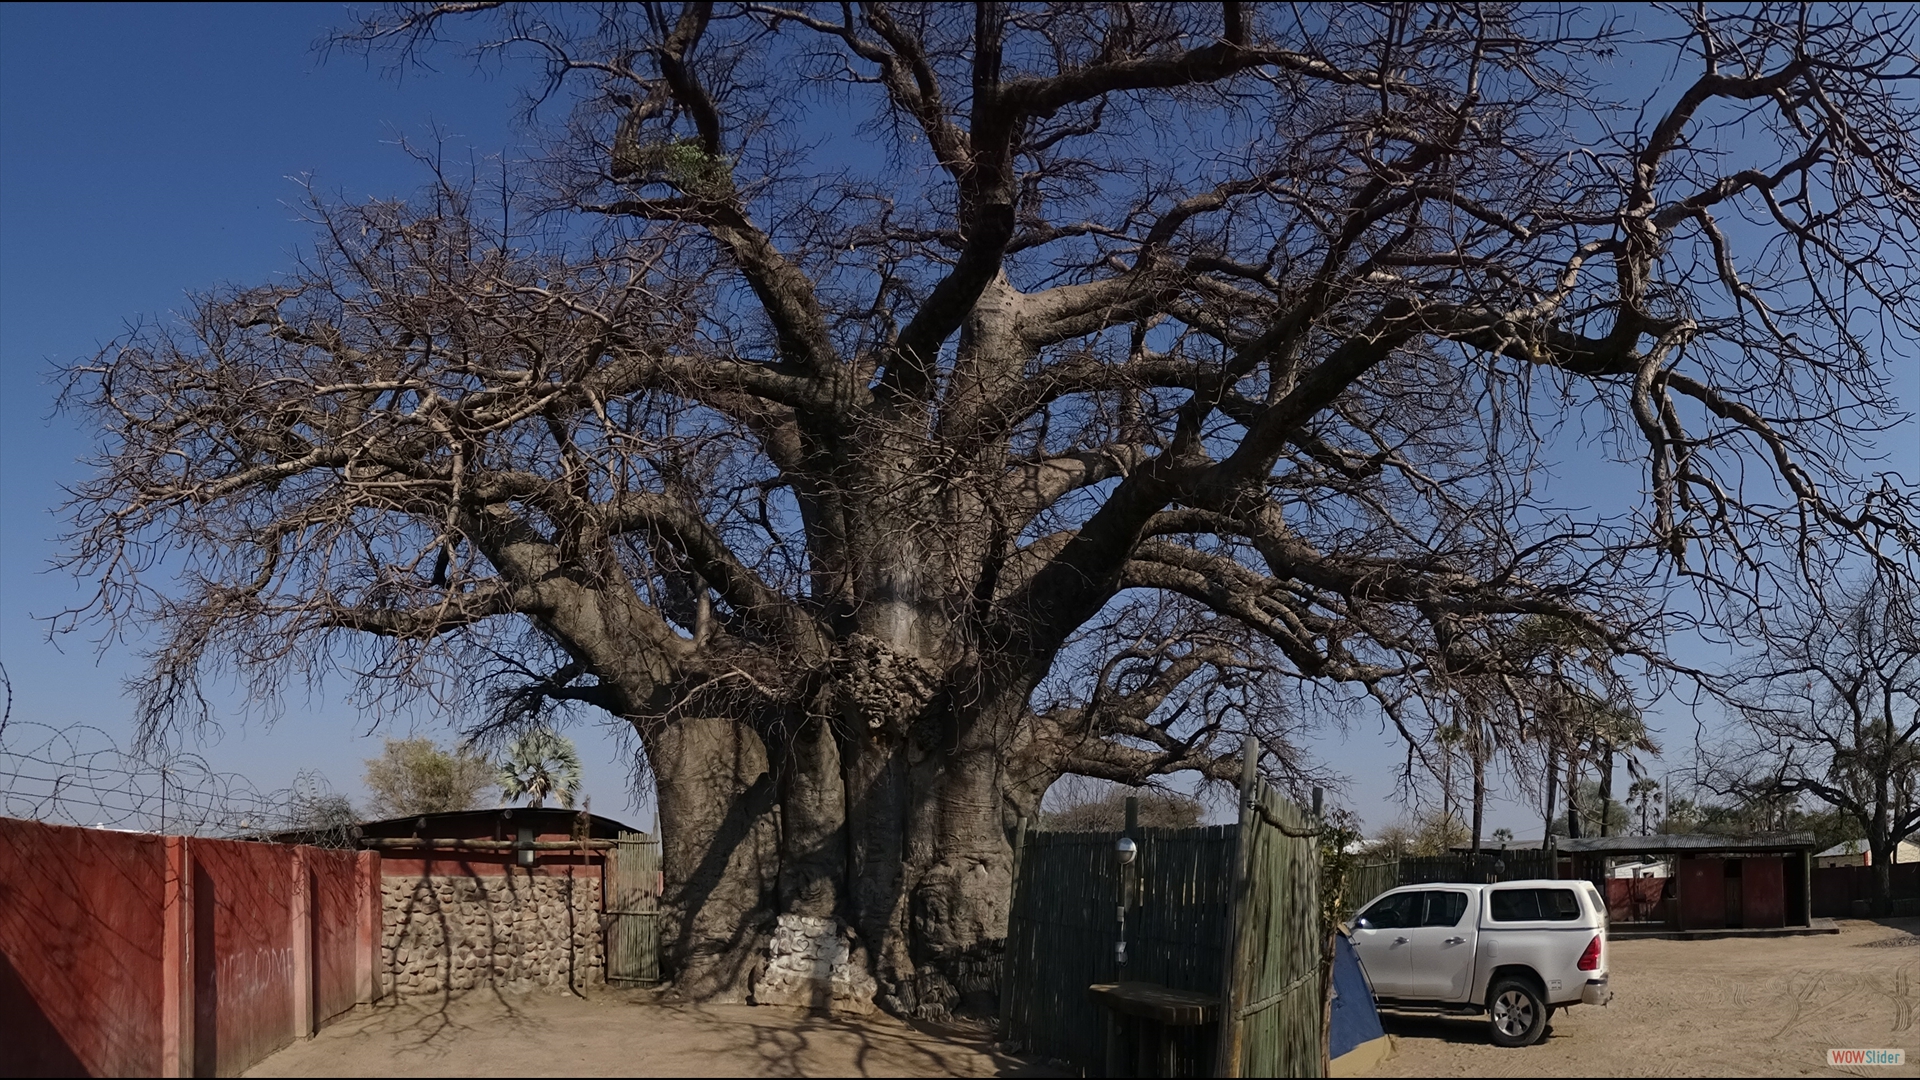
{"x": 1516, "y": 950}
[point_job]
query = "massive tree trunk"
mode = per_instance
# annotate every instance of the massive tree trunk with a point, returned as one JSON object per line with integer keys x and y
{"x": 1882, "y": 847}
{"x": 963, "y": 878}
{"x": 1882, "y": 852}
{"x": 720, "y": 845}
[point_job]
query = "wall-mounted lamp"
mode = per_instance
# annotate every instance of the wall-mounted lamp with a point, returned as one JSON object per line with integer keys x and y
{"x": 523, "y": 847}
{"x": 1124, "y": 849}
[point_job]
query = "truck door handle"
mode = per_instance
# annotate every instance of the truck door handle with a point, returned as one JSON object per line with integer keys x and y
{"x": 1399, "y": 941}
{"x": 1456, "y": 941}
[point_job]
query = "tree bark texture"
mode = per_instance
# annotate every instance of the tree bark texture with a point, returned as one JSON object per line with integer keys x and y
{"x": 1479, "y": 794}
{"x": 1573, "y": 798}
{"x": 720, "y": 845}
{"x": 1606, "y": 784}
{"x": 1882, "y": 899}
{"x": 1553, "y": 794}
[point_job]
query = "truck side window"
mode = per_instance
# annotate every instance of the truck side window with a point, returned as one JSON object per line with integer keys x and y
{"x": 1528, "y": 905}
{"x": 1392, "y": 912}
{"x": 1445, "y": 908}
{"x": 1514, "y": 905}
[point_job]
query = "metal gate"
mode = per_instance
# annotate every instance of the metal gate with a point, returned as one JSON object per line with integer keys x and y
{"x": 632, "y": 899}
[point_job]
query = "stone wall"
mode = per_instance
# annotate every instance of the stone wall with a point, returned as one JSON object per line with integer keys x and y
{"x": 513, "y": 931}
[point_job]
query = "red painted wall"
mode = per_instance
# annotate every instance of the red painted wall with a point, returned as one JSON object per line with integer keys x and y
{"x": 1702, "y": 892}
{"x": 243, "y": 984}
{"x": 1636, "y": 899}
{"x": 80, "y": 951}
{"x": 1835, "y": 888}
{"x": 271, "y": 940}
{"x": 336, "y": 903}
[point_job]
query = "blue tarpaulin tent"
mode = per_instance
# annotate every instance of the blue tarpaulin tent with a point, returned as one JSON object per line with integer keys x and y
{"x": 1355, "y": 1040}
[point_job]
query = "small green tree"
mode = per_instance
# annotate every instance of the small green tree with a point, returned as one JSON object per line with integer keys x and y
{"x": 1339, "y": 855}
{"x": 541, "y": 763}
{"x": 415, "y": 776}
{"x": 1586, "y": 807}
{"x": 1437, "y": 832}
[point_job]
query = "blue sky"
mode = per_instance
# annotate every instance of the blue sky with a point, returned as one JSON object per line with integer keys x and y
{"x": 149, "y": 150}
{"x": 145, "y": 151}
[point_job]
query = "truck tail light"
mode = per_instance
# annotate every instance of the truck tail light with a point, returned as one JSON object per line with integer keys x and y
{"x": 1590, "y": 959}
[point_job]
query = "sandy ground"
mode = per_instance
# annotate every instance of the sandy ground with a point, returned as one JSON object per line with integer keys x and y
{"x": 1733, "y": 1007}
{"x": 612, "y": 1034}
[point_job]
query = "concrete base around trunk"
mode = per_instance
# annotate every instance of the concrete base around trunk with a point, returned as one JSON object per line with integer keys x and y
{"x": 812, "y": 963}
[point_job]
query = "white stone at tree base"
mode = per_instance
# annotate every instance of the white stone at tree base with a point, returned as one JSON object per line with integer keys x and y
{"x": 811, "y": 963}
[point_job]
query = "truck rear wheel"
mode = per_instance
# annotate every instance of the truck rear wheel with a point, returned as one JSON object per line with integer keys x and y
{"x": 1515, "y": 1012}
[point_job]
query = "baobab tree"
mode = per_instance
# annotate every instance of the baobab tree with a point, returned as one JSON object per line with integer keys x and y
{"x": 890, "y": 409}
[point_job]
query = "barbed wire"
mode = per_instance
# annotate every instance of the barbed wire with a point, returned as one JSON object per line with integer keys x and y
{"x": 78, "y": 774}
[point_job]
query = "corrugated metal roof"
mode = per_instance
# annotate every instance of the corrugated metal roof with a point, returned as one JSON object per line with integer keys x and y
{"x": 1661, "y": 843}
{"x": 456, "y": 822}
{"x": 461, "y": 823}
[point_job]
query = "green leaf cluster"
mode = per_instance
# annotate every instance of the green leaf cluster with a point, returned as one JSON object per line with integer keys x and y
{"x": 415, "y": 776}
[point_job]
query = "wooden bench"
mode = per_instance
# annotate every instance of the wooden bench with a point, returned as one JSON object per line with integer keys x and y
{"x": 1155, "y": 1049}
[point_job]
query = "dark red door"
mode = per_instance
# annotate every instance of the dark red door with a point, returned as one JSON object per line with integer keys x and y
{"x": 1703, "y": 893}
{"x": 1763, "y": 893}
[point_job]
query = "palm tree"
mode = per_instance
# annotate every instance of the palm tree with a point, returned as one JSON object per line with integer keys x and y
{"x": 1470, "y": 730}
{"x": 1559, "y": 650}
{"x": 540, "y": 763}
{"x": 1588, "y": 728}
{"x": 1645, "y": 797}
{"x": 1614, "y": 727}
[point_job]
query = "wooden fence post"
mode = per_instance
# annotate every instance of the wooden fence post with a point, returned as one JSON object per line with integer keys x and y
{"x": 1019, "y": 844}
{"x": 1128, "y": 883}
{"x": 1233, "y": 994}
{"x": 1003, "y": 987}
{"x": 176, "y": 976}
{"x": 1327, "y": 933}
